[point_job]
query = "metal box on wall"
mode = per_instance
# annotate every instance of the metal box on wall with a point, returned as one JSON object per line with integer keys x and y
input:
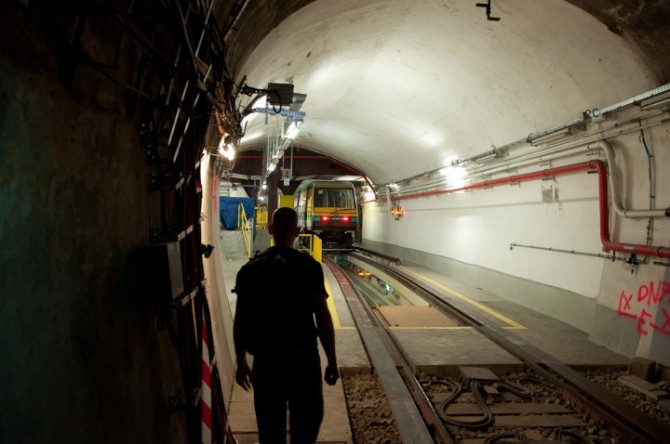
{"x": 162, "y": 272}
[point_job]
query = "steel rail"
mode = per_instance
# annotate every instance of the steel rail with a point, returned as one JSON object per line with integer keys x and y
{"x": 416, "y": 419}
{"x": 620, "y": 417}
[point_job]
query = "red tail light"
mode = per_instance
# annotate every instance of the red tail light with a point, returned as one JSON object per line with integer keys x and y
{"x": 345, "y": 218}
{"x": 325, "y": 218}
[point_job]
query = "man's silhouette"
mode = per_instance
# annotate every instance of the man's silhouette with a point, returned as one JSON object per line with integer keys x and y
{"x": 280, "y": 295}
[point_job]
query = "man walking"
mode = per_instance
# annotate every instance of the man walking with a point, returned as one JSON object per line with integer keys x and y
{"x": 280, "y": 293}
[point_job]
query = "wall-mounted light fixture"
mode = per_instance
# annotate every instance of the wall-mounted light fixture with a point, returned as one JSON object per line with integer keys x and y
{"x": 652, "y": 102}
{"x": 548, "y": 137}
{"x": 397, "y": 212}
{"x": 454, "y": 176}
{"x": 293, "y": 128}
{"x": 226, "y": 148}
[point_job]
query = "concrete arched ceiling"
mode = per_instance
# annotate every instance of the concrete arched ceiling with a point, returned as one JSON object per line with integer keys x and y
{"x": 398, "y": 87}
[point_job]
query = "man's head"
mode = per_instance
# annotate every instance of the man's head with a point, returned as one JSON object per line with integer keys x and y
{"x": 284, "y": 226}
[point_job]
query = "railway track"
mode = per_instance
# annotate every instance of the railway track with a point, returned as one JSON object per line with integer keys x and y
{"x": 545, "y": 402}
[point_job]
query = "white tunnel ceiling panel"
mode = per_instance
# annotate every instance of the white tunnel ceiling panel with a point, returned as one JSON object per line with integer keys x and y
{"x": 398, "y": 87}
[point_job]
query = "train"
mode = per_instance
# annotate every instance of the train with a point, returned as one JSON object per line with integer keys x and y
{"x": 329, "y": 209}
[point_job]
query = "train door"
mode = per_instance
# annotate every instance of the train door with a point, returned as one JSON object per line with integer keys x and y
{"x": 300, "y": 208}
{"x": 309, "y": 207}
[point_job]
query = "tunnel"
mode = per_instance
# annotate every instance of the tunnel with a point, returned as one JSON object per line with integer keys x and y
{"x": 521, "y": 145}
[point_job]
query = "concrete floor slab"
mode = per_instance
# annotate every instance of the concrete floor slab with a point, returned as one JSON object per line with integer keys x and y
{"x": 442, "y": 350}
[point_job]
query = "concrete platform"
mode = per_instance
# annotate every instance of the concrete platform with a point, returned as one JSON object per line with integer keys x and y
{"x": 351, "y": 357}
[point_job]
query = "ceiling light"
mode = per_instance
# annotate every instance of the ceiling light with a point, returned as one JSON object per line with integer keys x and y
{"x": 369, "y": 196}
{"x": 292, "y": 130}
{"x": 226, "y": 150}
{"x": 455, "y": 176}
{"x": 454, "y": 172}
{"x": 229, "y": 153}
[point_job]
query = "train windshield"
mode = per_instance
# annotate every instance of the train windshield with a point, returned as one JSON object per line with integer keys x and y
{"x": 334, "y": 197}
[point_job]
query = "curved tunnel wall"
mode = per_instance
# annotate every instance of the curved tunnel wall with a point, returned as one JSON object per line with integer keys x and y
{"x": 471, "y": 234}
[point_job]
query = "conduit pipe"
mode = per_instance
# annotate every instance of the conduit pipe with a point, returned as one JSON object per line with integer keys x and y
{"x": 603, "y": 204}
{"x": 606, "y": 148}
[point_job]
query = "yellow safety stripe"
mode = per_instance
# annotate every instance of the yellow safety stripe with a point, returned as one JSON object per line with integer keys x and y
{"x": 511, "y": 324}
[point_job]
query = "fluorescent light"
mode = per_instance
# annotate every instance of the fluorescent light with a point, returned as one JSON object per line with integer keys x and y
{"x": 549, "y": 137}
{"x": 226, "y": 150}
{"x": 292, "y": 130}
{"x": 230, "y": 152}
{"x": 454, "y": 172}
{"x": 455, "y": 176}
{"x": 658, "y": 100}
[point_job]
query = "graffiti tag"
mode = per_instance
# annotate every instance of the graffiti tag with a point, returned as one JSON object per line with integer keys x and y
{"x": 638, "y": 306}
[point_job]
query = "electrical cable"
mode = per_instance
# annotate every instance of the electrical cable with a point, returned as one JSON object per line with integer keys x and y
{"x": 652, "y": 182}
{"x": 503, "y": 437}
{"x": 456, "y": 389}
{"x": 516, "y": 389}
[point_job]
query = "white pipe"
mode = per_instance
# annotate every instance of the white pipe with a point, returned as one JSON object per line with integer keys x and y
{"x": 613, "y": 175}
{"x": 614, "y": 187}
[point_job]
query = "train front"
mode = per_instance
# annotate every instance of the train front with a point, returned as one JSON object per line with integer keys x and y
{"x": 333, "y": 216}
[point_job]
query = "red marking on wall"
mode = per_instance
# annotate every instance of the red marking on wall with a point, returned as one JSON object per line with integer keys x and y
{"x": 665, "y": 328}
{"x": 214, "y": 191}
{"x": 636, "y": 306}
{"x": 624, "y": 305}
{"x": 206, "y": 390}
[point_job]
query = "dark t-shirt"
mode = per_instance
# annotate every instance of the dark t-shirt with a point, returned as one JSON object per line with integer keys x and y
{"x": 277, "y": 293}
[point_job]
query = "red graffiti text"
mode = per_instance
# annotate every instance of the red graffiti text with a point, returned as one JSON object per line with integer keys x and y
{"x": 638, "y": 307}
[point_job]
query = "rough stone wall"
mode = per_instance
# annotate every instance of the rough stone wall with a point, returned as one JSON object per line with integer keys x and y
{"x": 82, "y": 358}
{"x": 644, "y": 24}
{"x": 254, "y": 23}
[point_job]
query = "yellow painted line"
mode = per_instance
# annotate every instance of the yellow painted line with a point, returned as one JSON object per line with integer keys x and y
{"x": 512, "y": 324}
{"x": 331, "y": 307}
{"x": 455, "y": 327}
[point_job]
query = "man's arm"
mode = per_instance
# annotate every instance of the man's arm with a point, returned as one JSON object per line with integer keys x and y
{"x": 324, "y": 325}
{"x": 243, "y": 372}
{"x": 240, "y": 330}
